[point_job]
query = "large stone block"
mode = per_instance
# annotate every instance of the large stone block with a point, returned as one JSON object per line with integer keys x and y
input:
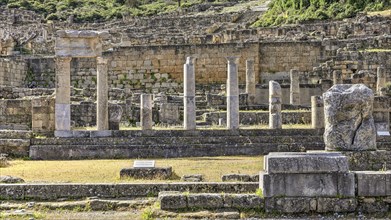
{"x": 336, "y": 205}
{"x": 290, "y": 205}
{"x": 307, "y": 185}
{"x": 313, "y": 162}
{"x": 79, "y": 43}
{"x": 373, "y": 183}
{"x": 205, "y": 201}
{"x": 348, "y": 117}
{"x": 147, "y": 173}
{"x": 172, "y": 200}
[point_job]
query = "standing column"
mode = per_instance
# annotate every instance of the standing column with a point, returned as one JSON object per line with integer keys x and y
{"x": 295, "y": 88}
{"x": 317, "y": 112}
{"x": 102, "y": 109}
{"x": 250, "y": 81}
{"x": 146, "y": 112}
{"x": 381, "y": 79}
{"x": 232, "y": 93}
{"x": 337, "y": 77}
{"x": 189, "y": 94}
{"x": 63, "y": 94}
{"x": 275, "y": 118}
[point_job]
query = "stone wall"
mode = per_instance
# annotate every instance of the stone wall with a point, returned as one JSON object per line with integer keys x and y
{"x": 12, "y": 71}
{"x": 15, "y": 114}
{"x": 10, "y": 92}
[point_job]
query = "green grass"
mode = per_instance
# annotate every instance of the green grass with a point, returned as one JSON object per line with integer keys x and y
{"x": 107, "y": 171}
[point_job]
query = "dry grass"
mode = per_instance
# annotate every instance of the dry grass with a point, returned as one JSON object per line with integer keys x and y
{"x": 385, "y": 13}
{"x": 107, "y": 171}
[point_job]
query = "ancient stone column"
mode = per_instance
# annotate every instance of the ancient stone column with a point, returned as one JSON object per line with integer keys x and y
{"x": 381, "y": 79}
{"x": 317, "y": 112}
{"x": 275, "y": 118}
{"x": 250, "y": 81}
{"x": 349, "y": 124}
{"x": 295, "y": 88}
{"x": 189, "y": 94}
{"x": 146, "y": 112}
{"x": 102, "y": 109}
{"x": 337, "y": 77}
{"x": 232, "y": 93}
{"x": 63, "y": 94}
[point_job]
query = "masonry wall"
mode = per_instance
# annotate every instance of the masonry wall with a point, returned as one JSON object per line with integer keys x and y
{"x": 15, "y": 114}
{"x": 12, "y": 71}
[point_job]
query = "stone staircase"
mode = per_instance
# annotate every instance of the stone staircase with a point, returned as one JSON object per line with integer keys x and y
{"x": 176, "y": 143}
{"x": 15, "y": 143}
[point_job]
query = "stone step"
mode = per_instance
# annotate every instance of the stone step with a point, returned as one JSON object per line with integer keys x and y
{"x": 76, "y": 152}
{"x": 15, "y": 147}
{"x": 178, "y": 140}
{"x": 384, "y": 146}
{"x": 15, "y": 134}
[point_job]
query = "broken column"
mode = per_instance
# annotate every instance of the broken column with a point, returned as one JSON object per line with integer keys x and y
{"x": 63, "y": 94}
{"x": 381, "y": 79}
{"x": 146, "y": 112}
{"x": 349, "y": 124}
{"x": 189, "y": 94}
{"x": 295, "y": 88}
{"x": 250, "y": 81}
{"x": 317, "y": 112}
{"x": 102, "y": 118}
{"x": 275, "y": 118}
{"x": 232, "y": 93}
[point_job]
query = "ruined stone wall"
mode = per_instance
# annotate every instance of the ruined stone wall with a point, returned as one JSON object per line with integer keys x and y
{"x": 15, "y": 114}
{"x": 278, "y": 58}
{"x": 12, "y": 71}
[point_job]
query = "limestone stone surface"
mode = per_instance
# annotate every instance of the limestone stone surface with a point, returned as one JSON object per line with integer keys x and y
{"x": 290, "y": 205}
{"x": 317, "y": 112}
{"x": 336, "y": 205}
{"x": 295, "y": 87}
{"x": 172, "y": 200}
{"x": 147, "y": 173}
{"x": 381, "y": 79}
{"x": 209, "y": 201}
{"x": 63, "y": 117}
{"x": 373, "y": 183}
{"x": 275, "y": 118}
{"x": 146, "y": 112}
{"x": 63, "y": 93}
{"x": 115, "y": 115}
{"x": 307, "y": 185}
{"x": 349, "y": 124}
{"x": 192, "y": 178}
{"x": 232, "y": 93}
{"x": 313, "y": 162}
{"x": 189, "y": 94}
{"x": 73, "y": 43}
{"x": 102, "y": 105}
{"x": 250, "y": 81}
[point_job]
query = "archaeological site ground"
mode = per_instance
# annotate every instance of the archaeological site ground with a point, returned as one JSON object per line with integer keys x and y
{"x": 195, "y": 109}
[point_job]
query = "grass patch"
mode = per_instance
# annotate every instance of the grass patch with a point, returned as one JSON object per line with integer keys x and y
{"x": 107, "y": 171}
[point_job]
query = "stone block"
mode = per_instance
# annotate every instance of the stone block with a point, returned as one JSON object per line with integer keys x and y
{"x": 78, "y": 44}
{"x": 373, "y": 183}
{"x": 147, "y": 173}
{"x": 243, "y": 201}
{"x": 313, "y": 162}
{"x": 372, "y": 205}
{"x": 192, "y": 178}
{"x": 104, "y": 133}
{"x": 307, "y": 185}
{"x": 172, "y": 200}
{"x": 205, "y": 201}
{"x": 290, "y": 205}
{"x": 336, "y": 205}
{"x": 236, "y": 177}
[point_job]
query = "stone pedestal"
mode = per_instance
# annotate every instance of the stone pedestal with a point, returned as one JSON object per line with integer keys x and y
{"x": 337, "y": 77}
{"x": 115, "y": 115}
{"x": 318, "y": 174}
{"x": 63, "y": 94}
{"x": 295, "y": 88}
{"x": 102, "y": 118}
{"x": 146, "y": 112}
{"x": 349, "y": 124}
{"x": 232, "y": 93}
{"x": 275, "y": 118}
{"x": 381, "y": 79}
{"x": 189, "y": 94}
{"x": 250, "y": 81}
{"x": 317, "y": 112}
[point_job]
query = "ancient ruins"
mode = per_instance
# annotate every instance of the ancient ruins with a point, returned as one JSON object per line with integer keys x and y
{"x": 314, "y": 99}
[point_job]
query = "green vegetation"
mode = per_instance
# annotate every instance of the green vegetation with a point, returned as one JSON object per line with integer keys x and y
{"x": 295, "y": 11}
{"x": 98, "y": 10}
